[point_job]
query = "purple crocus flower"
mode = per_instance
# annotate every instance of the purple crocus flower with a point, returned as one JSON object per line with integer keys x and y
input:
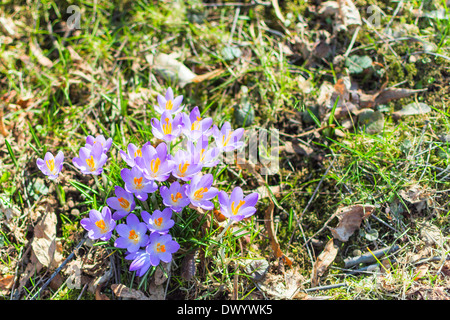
{"x": 51, "y": 166}
{"x": 133, "y": 234}
{"x": 159, "y": 221}
{"x": 199, "y": 191}
{"x": 155, "y": 163}
{"x": 227, "y": 139}
{"x": 167, "y": 128}
{"x": 123, "y": 203}
{"x": 174, "y": 197}
{"x": 161, "y": 247}
{"x": 99, "y": 225}
{"x": 132, "y": 153}
{"x": 141, "y": 261}
{"x": 185, "y": 166}
{"x": 237, "y": 207}
{"x": 202, "y": 153}
{"x": 136, "y": 183}
{"x": 168, "y": 102}
{"x": 106, "y": 144}
{"x": 194, "y": 126}
{"x": 91, "y": 161}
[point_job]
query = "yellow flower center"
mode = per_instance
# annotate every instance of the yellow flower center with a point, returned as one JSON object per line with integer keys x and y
{"x": 196, "y": 124}
{"x": 167, "y": 128}
{"x": 183, "y": 168}
{"x": 154, "y": 165}
{"x": 138, "y": 153}
{"x": 225, "y": 142}
{"x": 50, "y": 165}
{"x": 160, "y": 247}
{"x": 177, "y": 196}
{"x": 138, "y": 183}
{"x": 124, "y": 203}
{"x": 133, "y": 236}
{"x": 101, "y": 225}
{"x": 235, "y": 210}
{"x": 202, "y": 156}
{"x": 169, "y": 105}
{"x": 198, "y": 195}
{"x": 158, "y": 221}
{"x": 91, "y": 163}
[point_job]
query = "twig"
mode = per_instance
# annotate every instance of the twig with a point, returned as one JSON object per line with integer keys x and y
{"x": 370, "y": 257}
{"x": 331, "y": 286}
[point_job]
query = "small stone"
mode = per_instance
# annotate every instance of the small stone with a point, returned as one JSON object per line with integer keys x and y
{"x": 75, "y": 212}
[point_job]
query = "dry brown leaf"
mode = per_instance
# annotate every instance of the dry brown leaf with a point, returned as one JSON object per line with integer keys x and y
{"x": 350, "y": 219}
{"x": 3, "y": 131}
{"x": 283, "y": 286}
{"x": 99, "y": 295}
{"x": 384, "y": 96}
{"x": 6, "y": 283}
{"x": 160, "y": 275}
{"x": 124, "y": 292}
{"x": 324, "y": 260}
{"x": 421, "y": 271}
{"x": 45, "y": 245}
{"x": 268, "y": 220}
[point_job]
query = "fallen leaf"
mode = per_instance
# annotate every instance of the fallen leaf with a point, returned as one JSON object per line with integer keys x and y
{"x": 268, "y": 220}
{"x": 6, "y": 283}
{"x": 189, "y": 266}
{"x": 421, "y": 272}
{"x": 384, "y": 96}
{"x": 411, "y": 109}
{"x": 44, "y": 244}
{"x": 283, "y": 286}
{"x": 324, "y": 260}
{"x": 171, "y": 69}
{"x": 3, "y": 131}
{"x": 350, "y": 219}
{"x": 124, "y": 292}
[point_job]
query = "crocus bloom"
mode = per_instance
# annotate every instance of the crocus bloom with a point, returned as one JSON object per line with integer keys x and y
{"x": 133, "y": 234}
{"x": 141, "y": 262}
{"x": 185, "y": 167}
{"x": 167, "y": 128}
{"x": 226, "y": 138}
{"x": 91, "y": 161}
{"x": 106, "y": 144}
{"x": 194, "y": 126}
{"x": 99, "y": 225}
{"x": 159, "y": 221}
{"x": 174, "y": 197}
{"x": 237, "y": 207}
{"x": 51, "y": 166}
{"x": 132, "y": 153}
{"x": 123, "y": 203}
{"x": 155, "y": 163}
{"x": 168, "y": 102}
{"x": 202, "y": 153}
{"x": 136, "y": 183}
{"x": 199, "y": 191}
{"x": 161, "y": 247}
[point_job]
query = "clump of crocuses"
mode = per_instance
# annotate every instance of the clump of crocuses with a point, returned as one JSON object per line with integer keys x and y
{"x": 176, "y": 174}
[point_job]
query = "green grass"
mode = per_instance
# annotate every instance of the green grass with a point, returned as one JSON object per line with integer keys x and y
{"x": 108, "y": 87}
